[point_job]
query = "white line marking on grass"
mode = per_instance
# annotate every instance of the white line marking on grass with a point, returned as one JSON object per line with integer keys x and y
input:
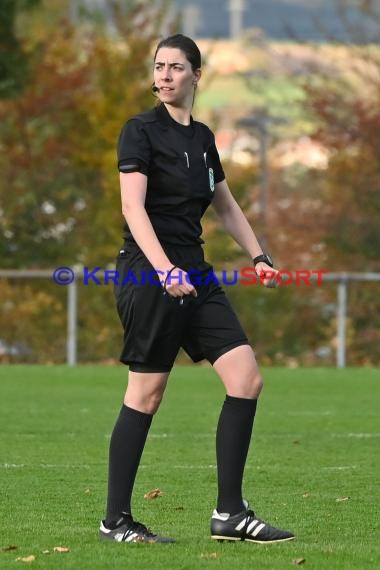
{"x": 62, "y": 466}
{"x": 43, "y": 466}
{"x": 193, "y": 435}
{"x": 172, "y": 435}
{"x": 358, "y": 435}
{"x": 283, "y": 435}
{"x": 194, "y": 466}
{"x": 311, "y": 413}
{"x": 340, "y": 468}
{"x": 189, "y": 467}
{"x": 159, "y": 435}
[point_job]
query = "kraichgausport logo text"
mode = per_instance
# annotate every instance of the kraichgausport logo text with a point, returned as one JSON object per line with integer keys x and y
{"x": 245, "y": 276}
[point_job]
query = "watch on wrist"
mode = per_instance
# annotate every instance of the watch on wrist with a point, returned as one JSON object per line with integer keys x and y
{"x": 263, "y": 258}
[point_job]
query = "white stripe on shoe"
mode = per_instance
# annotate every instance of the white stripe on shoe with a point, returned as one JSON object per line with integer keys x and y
{"x": 241, "y": 524}
{"x": 257, "y": 529}
{"x": 252, "y": 525}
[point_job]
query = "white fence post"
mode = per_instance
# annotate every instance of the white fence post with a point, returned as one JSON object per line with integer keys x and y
{"x": 72, "y": 317}
{"x": 341, "y": 323}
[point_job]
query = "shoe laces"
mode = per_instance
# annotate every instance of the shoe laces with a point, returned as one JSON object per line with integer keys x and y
{"x": 141, "y": 529}
{"x": 134, "y": 526}
{"x": 250, "y": 516}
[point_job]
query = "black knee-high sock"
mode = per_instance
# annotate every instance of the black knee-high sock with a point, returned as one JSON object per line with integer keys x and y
{"x": 232, "y": 442}
{"x": 126, "y": 447}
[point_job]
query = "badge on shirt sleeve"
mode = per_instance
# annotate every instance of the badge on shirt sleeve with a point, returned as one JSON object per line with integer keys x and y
{"x": 211, "y": 179}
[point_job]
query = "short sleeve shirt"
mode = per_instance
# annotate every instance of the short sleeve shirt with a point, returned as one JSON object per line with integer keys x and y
{"x": 182, "y": 166}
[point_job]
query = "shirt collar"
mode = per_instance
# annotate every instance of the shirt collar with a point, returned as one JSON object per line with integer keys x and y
{"x": 165, "y": 118}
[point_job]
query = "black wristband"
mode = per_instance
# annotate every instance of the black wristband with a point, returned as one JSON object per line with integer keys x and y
{"x": 263, "y": 258}
{"x": 168, "y": 275}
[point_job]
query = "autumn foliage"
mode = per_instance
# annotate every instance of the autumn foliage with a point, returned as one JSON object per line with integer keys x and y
{"x": 60, "y": 204}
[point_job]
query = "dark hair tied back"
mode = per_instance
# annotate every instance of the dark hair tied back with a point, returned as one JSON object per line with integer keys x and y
{"x": 186, "y": 45}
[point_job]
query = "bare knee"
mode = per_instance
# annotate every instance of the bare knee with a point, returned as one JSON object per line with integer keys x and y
{"x": 145, "y": 391}
{"x": 248, "y": 386}
{"x": 148, "y": 404}
{"x": 239, "y": 373}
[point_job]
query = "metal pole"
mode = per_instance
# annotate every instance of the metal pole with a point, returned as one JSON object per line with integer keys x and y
{"x": 191, "y": 19}
{"x": 236, "y": 8}
{"x": 341, "y": 324}
{"x": 264, "y": 181}
{"x": 72, "y": 311}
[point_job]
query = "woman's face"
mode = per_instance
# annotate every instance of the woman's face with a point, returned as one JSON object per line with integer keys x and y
{"x": 174, "y": 77}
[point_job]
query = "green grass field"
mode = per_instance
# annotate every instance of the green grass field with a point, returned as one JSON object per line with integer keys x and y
{"x": 313, "y": 468}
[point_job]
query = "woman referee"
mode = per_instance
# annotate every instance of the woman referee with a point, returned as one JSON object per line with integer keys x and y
{"x": 170, "y": 173}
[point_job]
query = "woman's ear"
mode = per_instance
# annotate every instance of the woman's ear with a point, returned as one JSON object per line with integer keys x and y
{"x": 197, "y": 76}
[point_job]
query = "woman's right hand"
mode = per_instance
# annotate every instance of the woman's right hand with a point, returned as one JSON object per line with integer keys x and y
{"x": 176, "y": 283}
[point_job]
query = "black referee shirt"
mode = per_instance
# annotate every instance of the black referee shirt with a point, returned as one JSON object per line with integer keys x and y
{"x": 182, "y": 166}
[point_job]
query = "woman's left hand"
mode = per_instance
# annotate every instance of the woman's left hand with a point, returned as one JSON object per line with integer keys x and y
{"x": 267, "y": 275}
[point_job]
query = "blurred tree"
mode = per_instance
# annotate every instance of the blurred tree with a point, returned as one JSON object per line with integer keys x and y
{"x": 60, "y": 204}
{"x": 345, "y": 103}
{"x": 14, "y": 59}
{"x": 350, "y": 128}
{"x": 43, "y": 190}
{"x": 59, "y": 198}
{"x": 59, "y": 190}
{"x": 32, "y": 322}
{"x": 322, "y": 217}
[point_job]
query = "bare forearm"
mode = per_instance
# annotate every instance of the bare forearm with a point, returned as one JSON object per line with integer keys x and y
{"x": 145, "y": 236}
{"x": 236, "y": 224}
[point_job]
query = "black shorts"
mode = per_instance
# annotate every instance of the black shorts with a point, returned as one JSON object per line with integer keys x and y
{"x": 157, "y": 325}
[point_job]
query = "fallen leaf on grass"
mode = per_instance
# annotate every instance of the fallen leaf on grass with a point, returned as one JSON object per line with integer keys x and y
{"x": 305, "y": 495}
{"x": 61, "y": 549}
{"x": 9, "y": 548}
{"x": 87, "y": 491}
{"x": 153, "y": 494}
{"x": 299, "y": 561}
{"x": 30, "y": 558}
{"x": 209, "y": 555}
{"x": 340, "y": 499}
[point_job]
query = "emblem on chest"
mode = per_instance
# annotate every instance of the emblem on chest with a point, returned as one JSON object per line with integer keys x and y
{"x": 211, "y": 179}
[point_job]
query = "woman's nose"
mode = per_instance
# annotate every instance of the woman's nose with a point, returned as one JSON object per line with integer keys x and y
{"x": 166, "y": 75}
